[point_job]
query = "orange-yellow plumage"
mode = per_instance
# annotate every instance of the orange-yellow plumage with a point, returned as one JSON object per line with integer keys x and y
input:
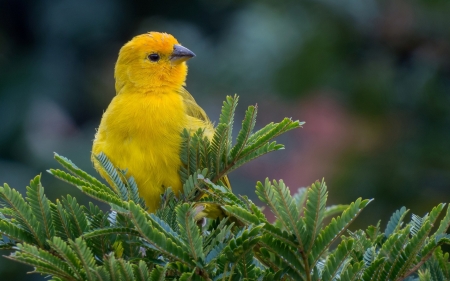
{"x": 140, "y": 130}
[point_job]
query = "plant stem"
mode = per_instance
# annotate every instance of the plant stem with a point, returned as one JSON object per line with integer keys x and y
{"x": 416, "y": 267}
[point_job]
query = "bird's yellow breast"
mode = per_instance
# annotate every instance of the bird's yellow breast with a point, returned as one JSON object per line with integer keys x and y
{"x": 140, "y": 132}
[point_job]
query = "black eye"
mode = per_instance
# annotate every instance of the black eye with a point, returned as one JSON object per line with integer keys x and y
{"x": 153, "y": 57}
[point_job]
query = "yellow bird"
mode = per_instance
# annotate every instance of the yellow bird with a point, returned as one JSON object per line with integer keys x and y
{"x": 140, "y": 130}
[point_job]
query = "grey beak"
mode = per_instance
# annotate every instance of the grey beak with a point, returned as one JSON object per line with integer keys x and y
{"x": 181, "y": 54}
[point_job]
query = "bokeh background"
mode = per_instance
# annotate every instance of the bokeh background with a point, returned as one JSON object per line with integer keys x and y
{"x": 370, "y": 78}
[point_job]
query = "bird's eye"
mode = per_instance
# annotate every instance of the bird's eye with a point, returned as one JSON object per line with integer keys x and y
{"x": 153, "y": 57}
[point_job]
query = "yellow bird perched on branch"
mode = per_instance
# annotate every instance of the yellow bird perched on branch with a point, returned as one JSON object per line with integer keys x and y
{"x": 140, "y": 130}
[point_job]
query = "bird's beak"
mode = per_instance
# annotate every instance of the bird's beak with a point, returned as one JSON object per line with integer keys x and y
{"x": 180, "y": 54}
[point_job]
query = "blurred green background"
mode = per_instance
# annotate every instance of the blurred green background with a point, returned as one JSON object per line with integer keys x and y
{"x": 370, "y": 78}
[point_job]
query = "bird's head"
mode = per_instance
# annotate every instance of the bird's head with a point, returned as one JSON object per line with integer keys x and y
{"x": 152, "y": 61}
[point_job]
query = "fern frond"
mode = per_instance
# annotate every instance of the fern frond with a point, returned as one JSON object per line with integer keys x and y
{"x": 111, "y": 267}
{"x": 158, "y": 273}
{"x": 238, "y": 247}
{"x": 167, "y": 230}
{"x": 284, "y": 256}
{"x": 221, "y": 141}
{"x": 374, "y": 234}
{"x": 40, "y": 206}
{"x": 220, "y": 193}
{"x": 278, "y": 197}
{"x": 43, "y": 261}
{"x": 434, "y": 242}
{"x": 105, "y": 197}
{"x": 71, "y": 167}
{"x": 110, "y": 231}
{"x": 166, "y": 211}
{"x": 360, "y": 245}
{"x": 249, "y": 218}
{"x": 242, "y": 138}
{"x": 134, "y": 191}
{"x": 68, "y": 255}
{"x": 126, "y": 270}
{"x": 279, "y": 128}
{"x": 336, "y": 227}
{"x": 337, "y": 259}
{"x": 314, "y": 213}
{"x": 300, "y": 199}
{"x": 255, "y": 210}
{"x": 396, "y": 221}
{"x": 253, "y": 154}
{"x": 227, "y": 112}
{"x": 79, "y": 183}
{"x": 417, "y": 223}
{"x": 435, "y": 212}
{"x": 179, "y": 267}
{"x": 141, "y": 271}
{"x": 352, "y": 272}
{"x": 155, "y": 238}
{"x": 100, "y": 273}
{"x": 189, "y": 230}
{"x": 219, "y": 148}
{"x": 443, "y": 260}
{"x": 445, "y": 223}
{"x": 214, "y": 242}
{"x": 372, "y": 271}
{"x": 195, "y": 153}
{"x": 246, "y": 267}
{"x": 425, "y": 275}
{"x": 185, "y": 155}
{"x": 114, "y": 176}
{"x": 392, "y": 249}
{"x": 84, "y": 255}
{"x": 433, "y": 265}
{"x": 12, "y": 231}
{"x": 190, "y": 276}
{"x": 124, "y": 186}
{"x": 22, "y": 212}
{"x": 288, "y": 209}
{"x": 261, "y": 132}
{"x": 191, "y": 187}
{"x": 78, "y": 219}
{"x": 61, "y": 220}
{"x": 370, "y": 255}
{"x": 414, "y": 246}
{"x": 333, "y": 210}
{"x": 74, "y": 242}
{"x": 99, "y": 220}
{"x": 268, "y": 196}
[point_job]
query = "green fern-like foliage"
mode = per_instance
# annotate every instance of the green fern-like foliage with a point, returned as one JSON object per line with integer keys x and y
{"x": 69, "y": 241}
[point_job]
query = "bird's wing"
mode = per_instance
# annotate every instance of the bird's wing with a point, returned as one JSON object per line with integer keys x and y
{"x": 197, "y": 117}
{"x": 192, "y": 108}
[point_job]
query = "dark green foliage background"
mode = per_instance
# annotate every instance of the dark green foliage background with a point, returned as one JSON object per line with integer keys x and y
{"x": 384, "y": 65}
